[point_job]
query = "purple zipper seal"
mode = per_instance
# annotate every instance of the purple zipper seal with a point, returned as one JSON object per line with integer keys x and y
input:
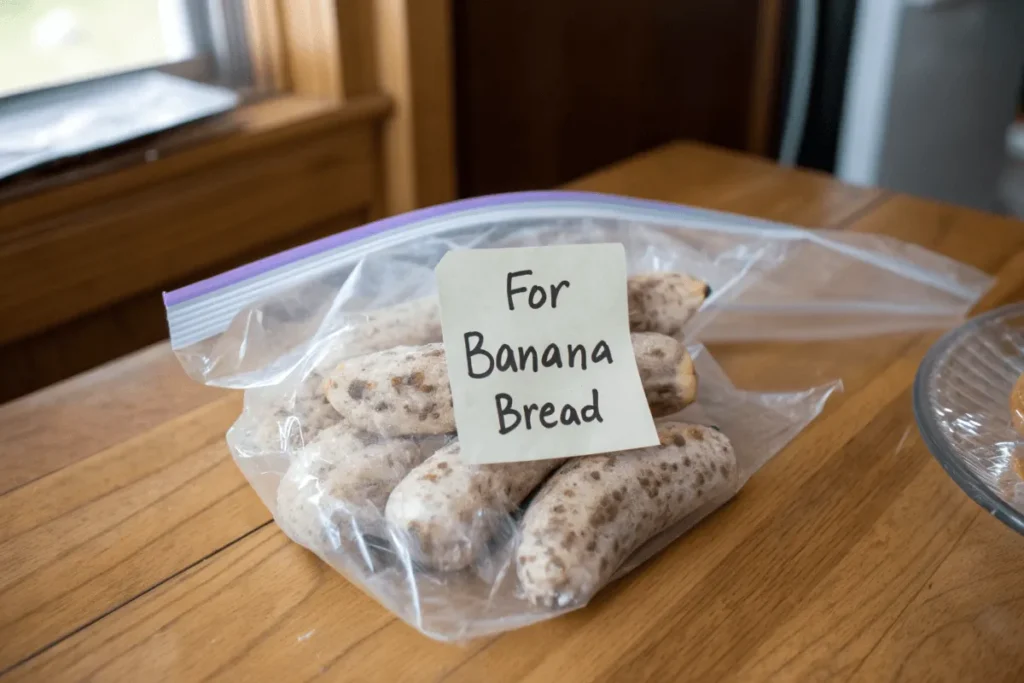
{"x": 351, "y": 235}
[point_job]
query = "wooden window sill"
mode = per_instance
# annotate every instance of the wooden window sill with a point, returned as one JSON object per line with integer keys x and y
{"x": 86, "y": 256}
{"x": 135, "y": 164}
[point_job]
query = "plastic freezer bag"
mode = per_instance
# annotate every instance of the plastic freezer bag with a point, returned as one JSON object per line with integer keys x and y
{"x": 347, "y": 433}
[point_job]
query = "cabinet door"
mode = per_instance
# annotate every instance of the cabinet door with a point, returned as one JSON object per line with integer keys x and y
{"x": 547, "y": 90}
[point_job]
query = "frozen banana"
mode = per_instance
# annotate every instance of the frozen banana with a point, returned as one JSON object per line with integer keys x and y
{"x": 405, "y": 391}
{"x": 664, "y": 302}
{"x": 410, "y": 324}
{"x": 448, "y": 509}
{"x": 338, "y": 485}
{"x": 666, "y": 372}
{"x": 595, "y": 511}
{"x": 400, "y": 391}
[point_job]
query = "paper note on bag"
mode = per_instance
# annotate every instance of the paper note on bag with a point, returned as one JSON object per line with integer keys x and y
{"x": 539, "y": 354}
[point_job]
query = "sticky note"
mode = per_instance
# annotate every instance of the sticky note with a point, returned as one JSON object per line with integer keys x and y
{"x": 539, "y": 354}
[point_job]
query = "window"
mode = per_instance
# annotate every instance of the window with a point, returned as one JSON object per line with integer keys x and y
{"x": 79, "y": 75}
{"x": 89, "y": 242}
{"x": 45, "y": 43}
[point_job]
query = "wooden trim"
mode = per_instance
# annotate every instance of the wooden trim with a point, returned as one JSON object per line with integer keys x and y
{"x": 82, "y": 247}
{"x": 414, "y": 57}
{"x": 432, "y": 67}
{"x": 267, "y": 53}
{"x": 247, "y": 130}
{"x": 765, "y": 83}
{"x": 330, "y": 47}
{"x": 359, "y": 71}
{"x": 340, "y": 49}
{"x": 390, "y": 22}
{"x": 310, "y": 28}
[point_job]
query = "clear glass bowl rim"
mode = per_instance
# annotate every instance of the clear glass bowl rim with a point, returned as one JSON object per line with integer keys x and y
{"x": 965, "y": 478}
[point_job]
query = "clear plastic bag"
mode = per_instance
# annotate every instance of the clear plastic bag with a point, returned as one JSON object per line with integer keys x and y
{"x": 280, "y": 329}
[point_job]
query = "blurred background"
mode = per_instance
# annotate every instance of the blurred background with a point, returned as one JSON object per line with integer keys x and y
{"x": 55, "y": 42}
{"x": 148, "y": 143}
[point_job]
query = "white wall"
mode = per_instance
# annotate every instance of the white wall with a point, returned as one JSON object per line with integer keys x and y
{"x": 932, "y": 91}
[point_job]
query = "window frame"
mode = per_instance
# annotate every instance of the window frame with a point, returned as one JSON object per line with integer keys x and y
{"x": 357, "y": 114}
{"x": 220, "y": 29}
{"x": 330, "y": 51}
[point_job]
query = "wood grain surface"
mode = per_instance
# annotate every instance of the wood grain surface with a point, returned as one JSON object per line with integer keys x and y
{"x": 131, "y": 548}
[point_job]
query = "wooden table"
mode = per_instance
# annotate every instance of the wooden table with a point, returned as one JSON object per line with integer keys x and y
{"x": 131, "y": 549}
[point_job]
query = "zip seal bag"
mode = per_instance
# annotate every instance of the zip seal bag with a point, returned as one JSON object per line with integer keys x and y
{"x": 461, "y": 551}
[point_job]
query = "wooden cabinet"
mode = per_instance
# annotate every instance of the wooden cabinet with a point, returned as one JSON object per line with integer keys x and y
{"x": 547, "y": 90}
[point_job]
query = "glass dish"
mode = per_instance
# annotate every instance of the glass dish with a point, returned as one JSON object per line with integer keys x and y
{"x": 961, "y": 402}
